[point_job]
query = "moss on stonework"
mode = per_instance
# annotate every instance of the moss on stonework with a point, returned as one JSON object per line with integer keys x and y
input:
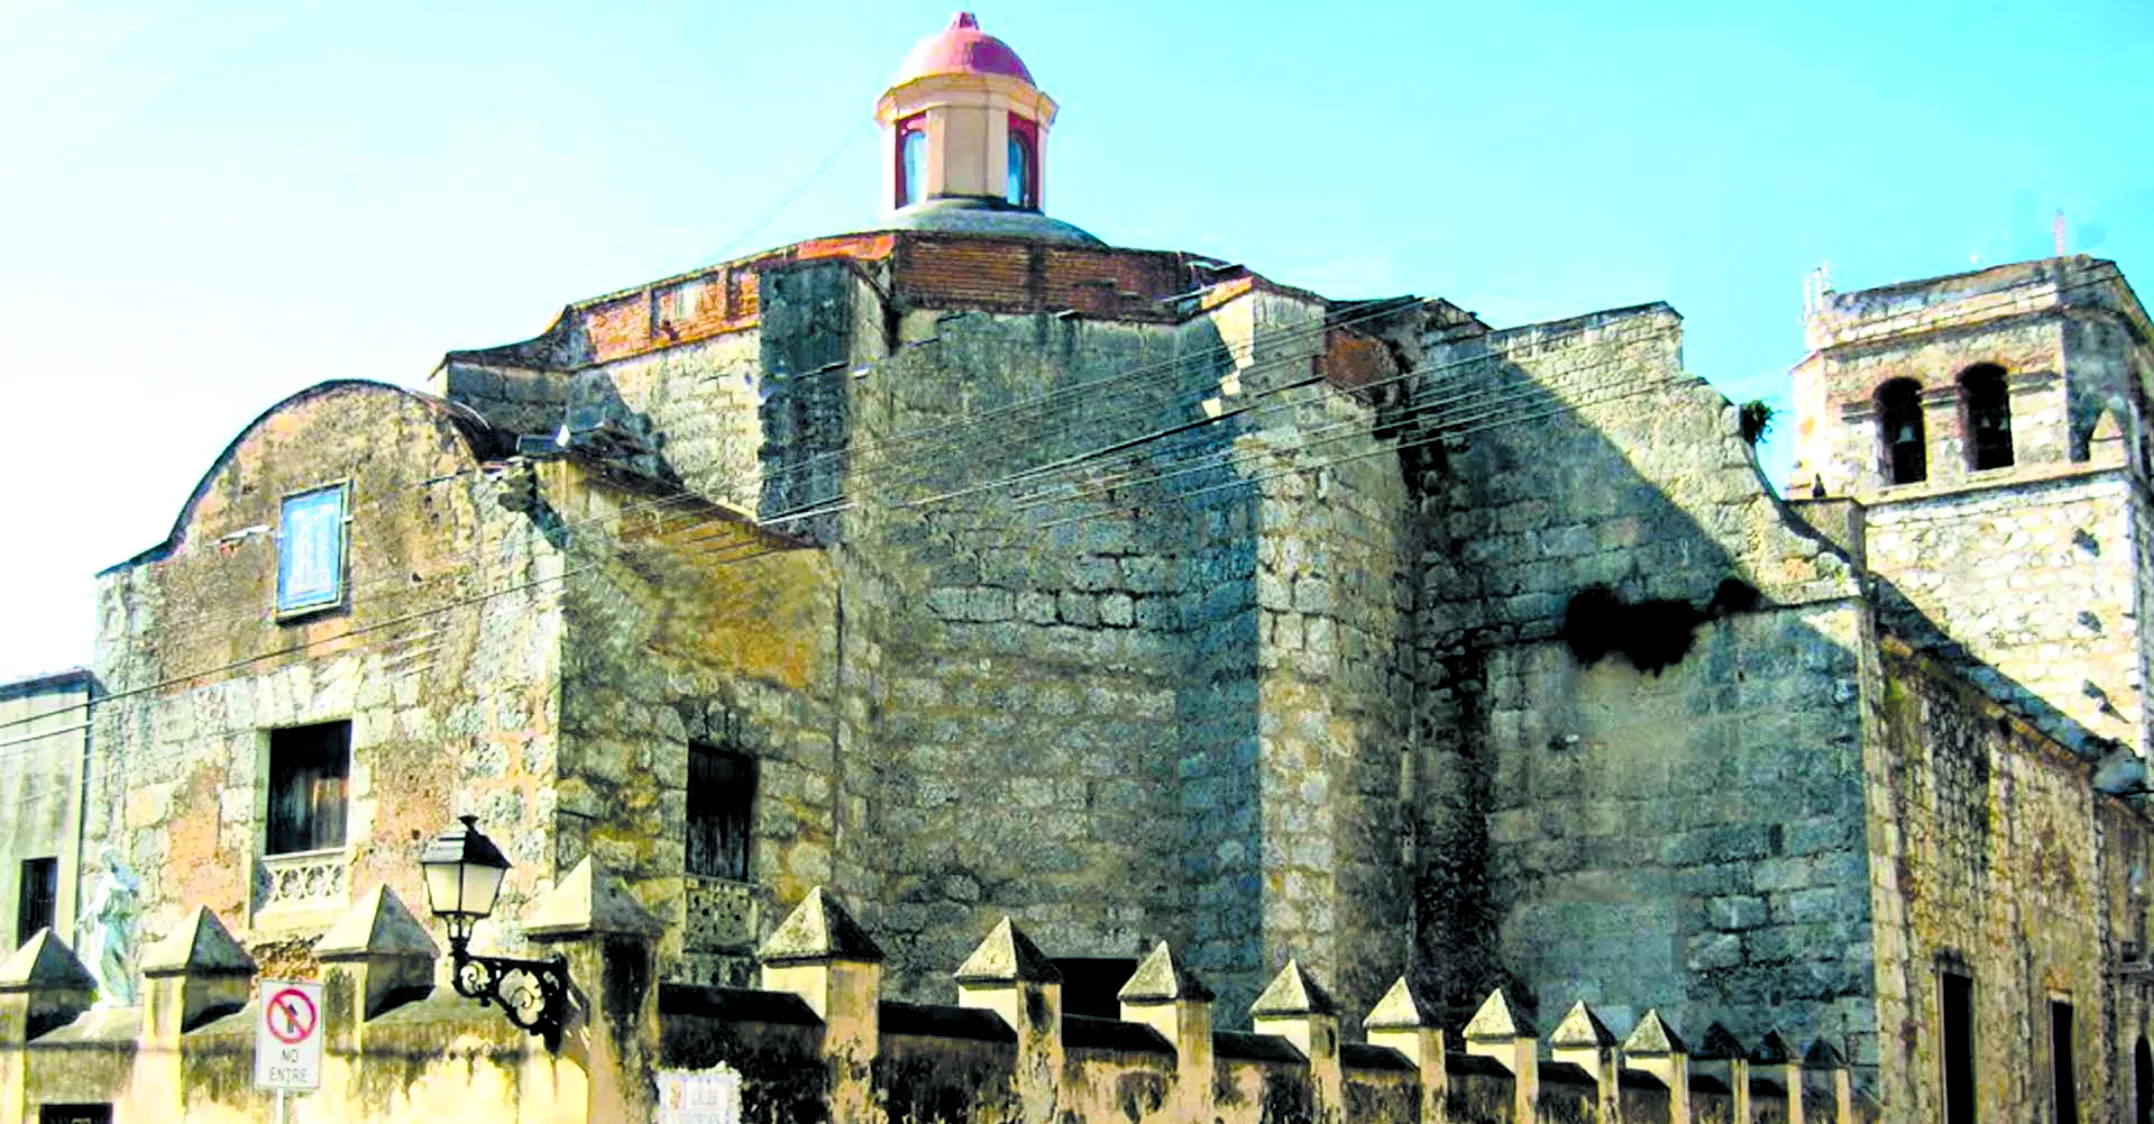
{"x": 781, "y": 1082}
{"x": 956, "y": 1087}
{"x": 291, "y": 958}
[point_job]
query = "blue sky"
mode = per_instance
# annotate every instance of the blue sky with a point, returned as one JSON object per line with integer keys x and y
{"x": 205, "y": 206}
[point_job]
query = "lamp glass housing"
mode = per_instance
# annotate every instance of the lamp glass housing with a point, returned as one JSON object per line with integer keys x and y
{"x": 463, "y": 872}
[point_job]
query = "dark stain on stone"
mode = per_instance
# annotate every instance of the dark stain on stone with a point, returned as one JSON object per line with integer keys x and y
{"x": 1287, "y": 1100}
{"x": 1140, "y": 1094}
{"x": 948, "y": 1088}
{"x": 1651, "y": 635}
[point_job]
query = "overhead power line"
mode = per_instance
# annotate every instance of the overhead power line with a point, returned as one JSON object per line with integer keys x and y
{"x": 181, "y": 679}
{"x": 1537, "y": 347}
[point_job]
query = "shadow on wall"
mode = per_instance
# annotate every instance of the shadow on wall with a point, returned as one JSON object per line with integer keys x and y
{"x": 1641, "y": 693}
{"x": 1688, "y": 817}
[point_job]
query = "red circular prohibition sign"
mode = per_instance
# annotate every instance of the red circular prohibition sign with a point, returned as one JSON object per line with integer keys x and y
{"x": 298, "y": 1016}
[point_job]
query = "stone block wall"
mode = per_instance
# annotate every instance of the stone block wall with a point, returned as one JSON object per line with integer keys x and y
{"x": 1587, "y": 783}
{"x": 2043, "y": 584}
{"x": 518, "y": 392}
{"x": 687, "y": 625}
{"x": 1335, "y": 544}
{"x": 695, "y": 405}
{"x": 1174, "y": 656}
{"x": 1696, "y": 833}
{"x": 1994, "y": 858}
{"x": 1021, "y": 651}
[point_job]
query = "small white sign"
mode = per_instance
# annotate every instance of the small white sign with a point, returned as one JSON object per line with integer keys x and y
{"x": 288, "y": 1039}
{"x": 707, "y": 1096}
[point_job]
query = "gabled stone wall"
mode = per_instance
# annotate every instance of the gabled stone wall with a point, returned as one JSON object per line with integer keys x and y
{"x": 444, "y": 657}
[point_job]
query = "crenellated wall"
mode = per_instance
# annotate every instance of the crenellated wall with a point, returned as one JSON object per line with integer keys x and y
{"x": 816, "y": 1040}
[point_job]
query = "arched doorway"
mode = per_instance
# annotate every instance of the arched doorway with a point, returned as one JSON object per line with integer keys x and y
{"x": 2143, "y": 1083}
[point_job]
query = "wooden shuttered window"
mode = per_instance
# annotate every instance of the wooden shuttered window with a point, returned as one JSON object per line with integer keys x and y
{"x": 721, "y": 807}
{"x": 309, "y": 772}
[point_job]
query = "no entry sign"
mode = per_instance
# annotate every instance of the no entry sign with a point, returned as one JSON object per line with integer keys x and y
{"x": 288, "y": 1039}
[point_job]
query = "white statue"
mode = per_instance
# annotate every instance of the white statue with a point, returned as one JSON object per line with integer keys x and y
{"x": 105, "y": 932}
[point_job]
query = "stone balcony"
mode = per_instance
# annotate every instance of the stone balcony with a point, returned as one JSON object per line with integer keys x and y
{"x": 720, "y": 921}
{"x": 301, "y": 890}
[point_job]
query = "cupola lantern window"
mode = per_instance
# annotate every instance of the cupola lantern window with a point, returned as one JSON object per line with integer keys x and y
{"x": 912, "y": 160}
{"x": 1022, "y": 188}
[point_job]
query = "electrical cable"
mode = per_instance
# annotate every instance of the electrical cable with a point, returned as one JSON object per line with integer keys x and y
{"x": 1560, "y": 408}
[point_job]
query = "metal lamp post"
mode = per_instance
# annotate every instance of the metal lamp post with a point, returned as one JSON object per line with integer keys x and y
{"x": 463, "y": 872}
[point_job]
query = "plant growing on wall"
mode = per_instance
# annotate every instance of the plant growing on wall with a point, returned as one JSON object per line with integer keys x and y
{"x": 1756, "y": 419}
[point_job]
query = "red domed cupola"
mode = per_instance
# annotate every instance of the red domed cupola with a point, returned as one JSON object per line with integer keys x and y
{"x": 965, "y": 138}
{"x": 962, "y": 48}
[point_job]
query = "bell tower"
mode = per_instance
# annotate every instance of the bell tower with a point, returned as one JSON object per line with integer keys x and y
{"x": 1993, "y": 426}
{"x": 964, "y": 127}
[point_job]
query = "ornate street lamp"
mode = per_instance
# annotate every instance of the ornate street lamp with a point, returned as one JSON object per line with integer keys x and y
{"x": 463, "y": 877}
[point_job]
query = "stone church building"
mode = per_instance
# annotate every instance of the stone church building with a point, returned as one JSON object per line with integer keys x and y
{"x": 969, "y": 565}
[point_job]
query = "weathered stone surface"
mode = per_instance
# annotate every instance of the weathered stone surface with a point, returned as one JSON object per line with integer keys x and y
{"x": 378, "y": 924}
{"x": 1397, "y": 1010}
{"x": 819, "y": 929}
{"x": 1007, "y": 956}
{"x": 1293, "y": 992}
{"x": 1314, "y": 679}
{"x": 1498, "y": 1020}
{"x": 1161, "y": 977}
{"x": 1581, "y": 1028}
{"x": 589, "y": 901}
{"x": 1653, "y": 1037}
{"x": 199, "y": 946}
{"x": 1772, "y": 1050}
{"x": 44, "y": 963}
{"x": 1720, "y": 1044}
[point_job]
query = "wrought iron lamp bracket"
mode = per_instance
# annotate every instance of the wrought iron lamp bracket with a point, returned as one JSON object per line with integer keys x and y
{"x": 532, "y": 993}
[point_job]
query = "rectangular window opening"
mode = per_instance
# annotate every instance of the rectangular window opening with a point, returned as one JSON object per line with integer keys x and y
{"x": 309, "y": 771}
{"x": 310, "y": 550}
{"x": 1956, "y": 995}
{"x": 2064, "y": 1075}
{"x": 37, "y": 905}
{"x": 721, "y": 812}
